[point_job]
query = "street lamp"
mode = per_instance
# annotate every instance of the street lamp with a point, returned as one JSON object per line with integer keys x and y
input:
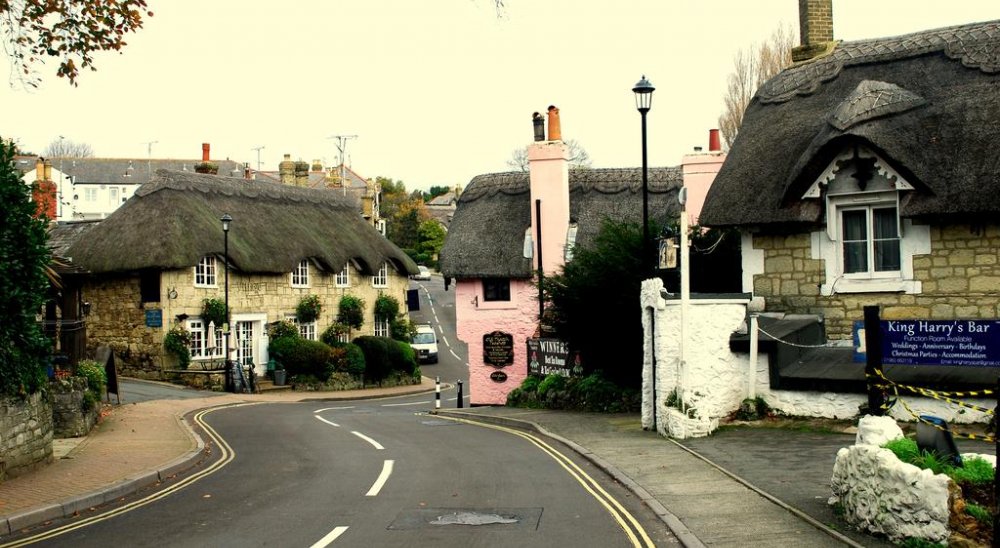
{"x": 226, "y": 220}
{"x": 643, "y": 101}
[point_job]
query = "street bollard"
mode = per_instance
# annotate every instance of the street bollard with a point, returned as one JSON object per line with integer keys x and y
{"x": 461, "y": 399}
{"x": 437, "y": 393}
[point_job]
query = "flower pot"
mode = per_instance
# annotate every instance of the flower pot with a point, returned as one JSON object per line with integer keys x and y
{"x": 279, "y": 377}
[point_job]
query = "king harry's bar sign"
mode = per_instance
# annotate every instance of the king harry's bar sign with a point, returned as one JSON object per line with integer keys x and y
{"x": 974, "y": 343}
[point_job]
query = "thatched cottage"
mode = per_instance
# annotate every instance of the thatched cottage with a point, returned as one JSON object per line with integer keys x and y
{"x": 867, "y": 174}
{"x": 152, "y": 263}
{"x": 492, "y": 249}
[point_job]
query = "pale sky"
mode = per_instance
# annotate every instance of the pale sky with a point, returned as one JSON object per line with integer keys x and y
{"x": 437, "y": 91}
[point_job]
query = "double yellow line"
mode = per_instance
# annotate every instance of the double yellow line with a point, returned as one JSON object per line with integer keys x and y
{"x": 226, "y": 455}
{"x": 636, "y": 534}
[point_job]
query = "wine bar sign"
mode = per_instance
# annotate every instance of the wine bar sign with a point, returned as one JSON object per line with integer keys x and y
{"x": 498, "y": 349}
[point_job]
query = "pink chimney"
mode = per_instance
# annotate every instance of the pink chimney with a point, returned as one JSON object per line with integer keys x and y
{"x": 699, "y": 170}
{"x": 548, "y": 170}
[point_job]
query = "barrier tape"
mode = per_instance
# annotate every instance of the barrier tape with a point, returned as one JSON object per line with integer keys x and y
{"x": 940, "y": 396}
{"x": 975, "y": 437}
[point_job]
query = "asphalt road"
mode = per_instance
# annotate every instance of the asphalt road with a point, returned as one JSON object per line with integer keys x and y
{"x": 375, "y": 473}
{"x": 437, "y": 307}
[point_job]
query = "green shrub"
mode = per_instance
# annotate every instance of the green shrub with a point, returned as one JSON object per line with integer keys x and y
{"x": 595, "y": 393}
{"x": 303, "y": 357}
{"x": 308, "y": 309}
{"x": 591, "y": 393}
{"x": 402, "y": 329}
{"x": 90, "y": 400}
{"x": 551, "y": 382}
{"x": 973, "y": 470}
{"x": 530, "y": 383}
{"x": 376, "y": 351}
{"x": 353, "y": 360}
{"x": 178, "y": 343}
{"x": 331, "y": 335}
{"x": 401, "y": 357}
{"x": 94, "y": 373}
{"x": 386, "y": 307}
{"x": 282, "y": 329}
{"x": 981, "y": 514}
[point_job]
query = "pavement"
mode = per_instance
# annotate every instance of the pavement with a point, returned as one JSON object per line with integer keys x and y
{"x": 739, "y": 487}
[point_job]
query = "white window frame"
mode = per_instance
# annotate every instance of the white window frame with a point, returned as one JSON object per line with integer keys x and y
{"x": 300, "y": 274}
{"x": 199, "y": 340}
{"x": 869, "y": 211}
{"x": 343, "y": 278}
{"x": 89, "y": 194}
{"x": 381, "y": 278}
{"x": 206, "y": 272}
{"x": 307, "y": 330}
{"x": 381, "y": 326}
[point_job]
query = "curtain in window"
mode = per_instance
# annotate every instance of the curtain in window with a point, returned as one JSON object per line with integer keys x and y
{"x": 855, "y": 228}
{"x": 886, "y": 239}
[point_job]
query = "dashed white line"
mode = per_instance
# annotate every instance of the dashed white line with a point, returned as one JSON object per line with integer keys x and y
{"x": 330, "y": 537}
{"x": 374, "y": 443}
{"x": 382, "y": 478}
{"x": 403, "y": 404}
{"x": 333, "y": 409}
{"x": 326, "y": 421}
{"x": 445, "y": 339}
{"x": 454, "y": 354}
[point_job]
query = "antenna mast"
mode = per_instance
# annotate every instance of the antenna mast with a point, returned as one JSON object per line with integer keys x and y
{"x": 258, "y": 149}
{"x": 149, "y": 156}
{"x": 342, "y": 148}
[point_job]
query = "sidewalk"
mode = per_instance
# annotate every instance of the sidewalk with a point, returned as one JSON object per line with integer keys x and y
{"x": 140, "y": 444}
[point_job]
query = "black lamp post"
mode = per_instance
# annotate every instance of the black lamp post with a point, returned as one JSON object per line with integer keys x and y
{"x": 226, "y": 220}
{"x": 643, "y": 101}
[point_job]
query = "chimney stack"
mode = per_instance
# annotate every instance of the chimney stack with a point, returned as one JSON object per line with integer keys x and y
{"x": 815, "y": 29}
{"x": 48, "y": 170}
{"x": 301, "y": 173}
{"x": 40, "y": 169}
{"x": 205, "y": 152}
{"x": 286, "y": 170}
{"x": 548, "y": 176}
{"x": 713, "y": 141}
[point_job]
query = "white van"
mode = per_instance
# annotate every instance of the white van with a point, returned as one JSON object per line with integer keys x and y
{"x": 425, "y": 344}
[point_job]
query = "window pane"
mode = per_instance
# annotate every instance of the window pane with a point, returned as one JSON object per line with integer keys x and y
{"x": 885, "y": 223}
{"x": 855, "y": 257}
{"x": 886, "y": 228}
{"x": 887, "y": 255}
{"x": 855, "y": 228}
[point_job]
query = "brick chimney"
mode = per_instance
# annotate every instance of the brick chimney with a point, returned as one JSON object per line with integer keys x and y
{"x": 286, "y": 170}
{"x": 815, "y": 29}
{"x": 548, "y": 171}
{"x": 301, "y": 173}
{"x": 43, "y": 192}
{"x": 699, "y": 170}
{"x": 205, "y": 152}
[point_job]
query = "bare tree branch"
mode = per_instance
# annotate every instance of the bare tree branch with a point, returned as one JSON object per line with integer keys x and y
{"x": 67, "y": 148}
{"x": 579, "y": 158}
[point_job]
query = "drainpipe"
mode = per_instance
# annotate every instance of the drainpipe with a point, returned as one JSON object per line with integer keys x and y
{"x": 541, "y": 271}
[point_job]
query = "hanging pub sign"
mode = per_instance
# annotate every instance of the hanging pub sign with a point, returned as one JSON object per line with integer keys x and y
{"x": 552, "y": 357}
{"x": 498, "y": 376}
{"x": 498, "y": 349}
{"x": 972, "y": 343}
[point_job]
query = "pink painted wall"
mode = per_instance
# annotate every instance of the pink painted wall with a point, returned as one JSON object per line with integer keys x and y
{"x": 475, "y": 318}
{"x": 549, "y": 173}
{"x": 699, "y": 171}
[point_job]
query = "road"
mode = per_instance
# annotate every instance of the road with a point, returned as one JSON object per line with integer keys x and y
{"x": 373, "y": 473}
{"x": 437, "y": 307}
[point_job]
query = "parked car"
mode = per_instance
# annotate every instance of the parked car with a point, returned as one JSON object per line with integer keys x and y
{"x": 425, "y": 344}
{"x": 425, "y": 273}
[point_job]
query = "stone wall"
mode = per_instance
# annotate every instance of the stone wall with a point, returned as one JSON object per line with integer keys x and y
{"x": 118, "y": 317}
{"x": 72, "y": 417}
{"x": 960, "y": 279}
{"x": 25, "y": 434}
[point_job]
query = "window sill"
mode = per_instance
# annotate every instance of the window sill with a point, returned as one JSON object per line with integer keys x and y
{"x": 890, "y": 285}
{"x": 206, "y": 286}
{"x": 496, "y": 305}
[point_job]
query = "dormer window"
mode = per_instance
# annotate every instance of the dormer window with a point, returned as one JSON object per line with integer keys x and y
{"x": 205, "y": 272}
{"x": 870, "y": 241}
{"x": 381, "y": 278}
{"x": 300, "y": 274}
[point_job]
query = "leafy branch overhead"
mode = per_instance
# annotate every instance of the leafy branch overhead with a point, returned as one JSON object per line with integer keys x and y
{"x": 71, "y": 31}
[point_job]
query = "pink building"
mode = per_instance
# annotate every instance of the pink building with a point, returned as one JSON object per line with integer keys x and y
{"x": 496, "y": 240}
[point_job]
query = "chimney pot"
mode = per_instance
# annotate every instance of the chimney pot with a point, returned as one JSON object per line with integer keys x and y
{"x": 538, "y": 123}
{"x": 555, "y": 128}
{"x": 205, "y": 156}
{"x": 697, "y": 149}
{"x": 713, "y": 141}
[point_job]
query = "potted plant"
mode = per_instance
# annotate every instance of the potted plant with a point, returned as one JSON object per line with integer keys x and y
{"x": 308, "y": 309}
{"x": 213, "y": 310}
{"x": 178, "y": 343}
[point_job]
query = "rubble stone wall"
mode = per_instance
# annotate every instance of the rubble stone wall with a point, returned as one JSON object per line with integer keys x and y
{"x": 25, "y": 434}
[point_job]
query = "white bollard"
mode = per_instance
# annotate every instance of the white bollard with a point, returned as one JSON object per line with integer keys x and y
{"x": 437, "y": 393}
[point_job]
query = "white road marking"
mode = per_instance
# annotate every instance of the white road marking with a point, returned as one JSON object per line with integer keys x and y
{"x": 369, "y": 440}
{"x": 382, "y": 478}
{"x": 326, "y": 421}
{"x": 330, "y": 537}
{"x": 333, "y": 409}
{"x": 445, "y": 340}
{"x": 404, "y": 404}
{"x": 454, "y": 354}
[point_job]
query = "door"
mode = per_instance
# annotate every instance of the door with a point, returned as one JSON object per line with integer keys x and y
{"x": 245, "y": 337}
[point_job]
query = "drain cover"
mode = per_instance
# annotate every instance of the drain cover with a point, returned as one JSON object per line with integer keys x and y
{"x": 474, "y": 518}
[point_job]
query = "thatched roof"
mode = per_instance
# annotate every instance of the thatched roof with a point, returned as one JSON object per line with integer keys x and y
{"x": 130, "y": 170}
{"x": 486, "y": 235}
{"x": 928, "y": 103}
{"x": 173, "y": 221}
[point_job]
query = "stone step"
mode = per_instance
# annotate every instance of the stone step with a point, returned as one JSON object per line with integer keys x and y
{"x": 264, "y": 385}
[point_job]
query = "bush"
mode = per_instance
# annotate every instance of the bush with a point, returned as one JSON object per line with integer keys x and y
{"x": 550, "y": 383}
{"x": 94, "y": 372}
{"x": 214, "y": 310}
{"x": 308, "y": 309}
{"x": 590, "y": 393}
{"x": 402, "y": 329}
{"x": 282, "y": 329}
{"x": 331, "y": 335}
{"x": 402, "y": 357}
{"x": 178, "y": 343}
{"x": 973, "y": 470}
{"x": 301, "y": 356}
{"x": 353, "y": 360}
{"x": 351, "y": 312}
{"x": 386, "y": 307}
{"x": 376, "y": 351}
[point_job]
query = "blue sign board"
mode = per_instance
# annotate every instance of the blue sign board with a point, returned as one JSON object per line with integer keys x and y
{"x": 154, "y": 318}
{"x": 972, "y": 343}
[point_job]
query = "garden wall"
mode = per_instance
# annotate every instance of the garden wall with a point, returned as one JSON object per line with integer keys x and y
{"x": 25, "y": 434}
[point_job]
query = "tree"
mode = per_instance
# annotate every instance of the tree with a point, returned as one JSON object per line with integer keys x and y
{"x": 579, "y": 158}
{"x": 67, "y": 148}
{"x": 72, "y": 31}
{"x": 436, "y": 191}
{"x": 751, "y": 68}
{"x": 402, "y": 212}
{"x": 24, "y": 255}
{"x": 431, "y": 239}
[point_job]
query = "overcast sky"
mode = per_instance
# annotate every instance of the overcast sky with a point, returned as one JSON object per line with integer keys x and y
{"x": 437, "y": 91}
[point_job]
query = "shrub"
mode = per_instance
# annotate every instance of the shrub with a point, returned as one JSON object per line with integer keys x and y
{"x": 402, "y": 329}
{"x": 308, "y": 309}
{"x": 214, "y": 310}
{"x": 94, "y": 373}
{"x": 530, "y": 383}
{"x": 595, "y": 393}
{"x": 401, "y": 357}
{"x": 551, "y": 382}
{"x": 353, "y": 360}
{"x": 178, "y": 343}
{"x": 386, "y": 307}
{"x": 282, "y": 329}
{"x": 331, "y": 335}
{"x": 973, "y": 470}
{"x": 376, "y": 351}
{"x": 301, "y": 356}
{"x": 590, "y": 393}
{"x": 351, "y": 312}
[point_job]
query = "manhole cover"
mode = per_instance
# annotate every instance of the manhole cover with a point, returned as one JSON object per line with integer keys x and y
{"x": 474, "y": 518}
{"x": 507, "y": 519}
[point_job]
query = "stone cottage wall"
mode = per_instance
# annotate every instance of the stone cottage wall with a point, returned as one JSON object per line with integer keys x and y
{"x": 71, "y": 417}
{"x": 960, "y": 279}
{"x": 25, "y": 434}
{"x": 118, "y": 317}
